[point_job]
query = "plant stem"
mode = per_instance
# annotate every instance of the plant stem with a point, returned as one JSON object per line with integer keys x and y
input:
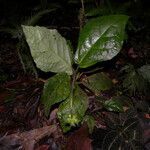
{"x": 82, "y": 15}
{"x": 93, "y": 71}
{"x": 73, "y": 85}
{"x": 21, "y": 60}
{"x": 82, "y": 3}
{"x": 81, "y": 22}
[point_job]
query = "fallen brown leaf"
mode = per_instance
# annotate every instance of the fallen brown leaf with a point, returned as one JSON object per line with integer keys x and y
{"x": 28, "y": 139}
{"x": 79, "y": 140}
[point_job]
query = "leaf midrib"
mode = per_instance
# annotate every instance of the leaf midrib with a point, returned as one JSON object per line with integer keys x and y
{"x": 93, "y": 44}
{"x": 55, "y": 89}
{"x": 63, "y": 60}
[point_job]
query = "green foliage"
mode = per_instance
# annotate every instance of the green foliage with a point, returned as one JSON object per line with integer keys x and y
{"x": 56, "y": 89}
{"x": 98, "y": 82}
{"x": 101, "y": 39}
{"x": 145, "y": 72}
{"x": 90, "y": 122}
{"x": 15, "y": 31}
{"x": 133, "y": 81}
{"x": 114, "y": 104}
{"x": 72, "y": 111}
{"x": 48, "y": 49}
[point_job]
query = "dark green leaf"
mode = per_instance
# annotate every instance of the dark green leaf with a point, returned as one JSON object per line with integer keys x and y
{"x": 114, "y": 104}
{"x": 98, "y": 82}
{"x": 90, "y": 122}
{"x": 133, "y": 80}
{"x": 48, "y": 49}
{"x": 101, "y": 39}
{"x": 56, "y": 89}
{"x": 72, "y": 111}
{"x": 145, "y": 72}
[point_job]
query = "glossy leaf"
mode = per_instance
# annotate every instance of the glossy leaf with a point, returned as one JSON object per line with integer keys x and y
{"x": 49, "y": 49}
{"x": 145, "y": 72}
{"x": 98, "y": 82}
{"x": 72, "y": 111}
{"x": 114, "y": 104}
{"x": 56, "y": 89}
{"x": 101, "y": 39}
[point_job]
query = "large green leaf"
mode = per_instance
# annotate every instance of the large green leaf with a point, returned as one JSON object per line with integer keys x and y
{"x": 98, "y": 82}
{"x": 101, "y": 39}
{"x": 49, "y": 49}
{"x": 37, "y": 16}
{"x": 72, "y": 111}
{"x": 56, "y": 89}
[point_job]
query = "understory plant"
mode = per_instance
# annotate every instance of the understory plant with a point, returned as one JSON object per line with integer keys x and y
{"x": 15, "y": 31}
{"x": 136, "y": 80}
{"x": 100, "y": 40}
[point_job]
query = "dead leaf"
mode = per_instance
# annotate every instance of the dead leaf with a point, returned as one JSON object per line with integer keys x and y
{"x": 79, "y": 140}
{"x": 28, "y": 139}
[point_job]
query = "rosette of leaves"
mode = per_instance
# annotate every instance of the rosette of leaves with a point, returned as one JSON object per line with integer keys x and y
{"x": 101, "y": 39}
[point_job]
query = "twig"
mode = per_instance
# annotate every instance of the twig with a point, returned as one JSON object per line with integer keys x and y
{"x": 82, "y": 15}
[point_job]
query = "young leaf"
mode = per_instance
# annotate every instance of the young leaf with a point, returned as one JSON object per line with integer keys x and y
{"x": 98, "y": 82}
{"x": 101, "y": 39}
{"x": 55, "y": 90}
{"x": 72, "y": 111}
{"x": 115, "y": 104}
{"x": 48, "y": 49}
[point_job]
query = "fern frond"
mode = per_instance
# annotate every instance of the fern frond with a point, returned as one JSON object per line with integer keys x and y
{"x": 126, "y": 135}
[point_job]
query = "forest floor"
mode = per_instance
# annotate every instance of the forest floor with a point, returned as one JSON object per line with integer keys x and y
{"x": 23, "y": 124}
